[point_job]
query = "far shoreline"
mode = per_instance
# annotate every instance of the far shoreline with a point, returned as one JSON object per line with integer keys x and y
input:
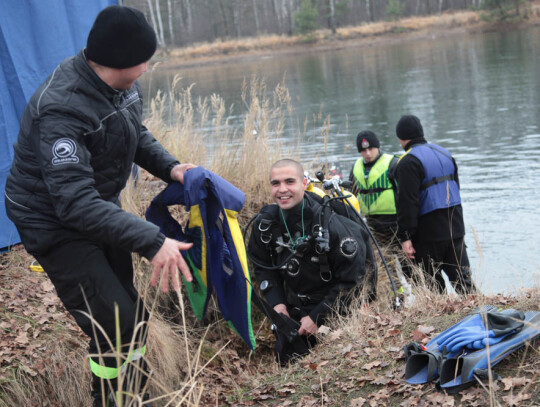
{"x": 429, "y": 28}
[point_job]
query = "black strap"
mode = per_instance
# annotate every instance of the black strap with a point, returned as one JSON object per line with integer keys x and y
{"x": 372, "y": 190}
{"x": 437, "y": 180}
{"x": 440, "y": 151}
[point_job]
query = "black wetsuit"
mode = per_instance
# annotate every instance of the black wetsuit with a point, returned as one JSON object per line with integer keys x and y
{"x": 307, "y": 282}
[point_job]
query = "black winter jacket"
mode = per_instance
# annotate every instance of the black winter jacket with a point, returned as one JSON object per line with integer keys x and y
{"x": 76, "y": 146}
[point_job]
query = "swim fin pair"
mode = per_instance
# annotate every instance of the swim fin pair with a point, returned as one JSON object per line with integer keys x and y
{"x": 467, "y": 349}
{"x": 423, "y": 361}
{"x": 460, "y": 372}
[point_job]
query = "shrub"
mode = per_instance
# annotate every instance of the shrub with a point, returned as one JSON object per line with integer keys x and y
{"x": 305, "y": 19}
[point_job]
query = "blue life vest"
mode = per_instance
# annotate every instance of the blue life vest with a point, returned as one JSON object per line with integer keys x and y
{"x": 218, "y": 257}
{"x": 439, "y": 188}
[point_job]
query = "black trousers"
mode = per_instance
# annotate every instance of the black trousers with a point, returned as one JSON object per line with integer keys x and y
{"x": 449, "y": 256}
{"x": 95, "y": 278}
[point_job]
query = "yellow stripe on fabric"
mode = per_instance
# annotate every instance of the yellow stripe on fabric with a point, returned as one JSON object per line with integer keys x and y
{"x": 240, "y": 247}
{"x": 236, "y": 234}
{"x": 105, "y": 372}
{"x": 408, "y": 151}
{"x": 195, "y": 219}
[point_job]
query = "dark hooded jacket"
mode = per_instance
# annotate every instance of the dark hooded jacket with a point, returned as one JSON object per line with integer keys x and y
{"x": 77, "y": 143}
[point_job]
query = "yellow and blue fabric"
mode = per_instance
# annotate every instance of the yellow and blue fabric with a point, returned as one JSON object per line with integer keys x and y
{"x": 218, "y": 258}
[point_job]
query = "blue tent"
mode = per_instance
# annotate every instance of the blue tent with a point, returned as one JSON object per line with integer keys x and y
{"x": 35, "y": 36}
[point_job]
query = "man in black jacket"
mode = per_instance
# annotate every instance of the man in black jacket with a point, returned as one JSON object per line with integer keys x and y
{"x": 80, "y": 135}
{"x": 429, "y": 212}
{"x": 302, "y": 273}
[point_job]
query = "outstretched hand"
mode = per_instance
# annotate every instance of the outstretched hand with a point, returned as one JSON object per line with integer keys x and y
{"x": 167, "y": 261}
{"x": 178, "y": 171}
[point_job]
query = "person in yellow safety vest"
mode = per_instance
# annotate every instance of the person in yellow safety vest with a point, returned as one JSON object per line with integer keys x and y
{"x": 374, "y": 184}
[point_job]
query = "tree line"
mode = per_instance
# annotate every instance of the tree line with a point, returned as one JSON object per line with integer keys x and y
{"x": 184, "y": 22}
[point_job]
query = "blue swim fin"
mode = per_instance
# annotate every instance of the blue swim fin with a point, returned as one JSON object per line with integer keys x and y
{"x": 423, "y": 362}
{"x": 461, "y": 371}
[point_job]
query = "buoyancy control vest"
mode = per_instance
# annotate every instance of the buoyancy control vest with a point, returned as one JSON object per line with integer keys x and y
{"x": 376, "y": 193}
{"x": 439, "y": 187}
{"x": 218, "y": 258}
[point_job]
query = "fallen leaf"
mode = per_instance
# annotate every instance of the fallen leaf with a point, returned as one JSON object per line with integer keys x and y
{"x": 426, "y": 329}
{"x": 510, "y": 382}
{"x": 369, "y": 366}
{"x": 516, "y": 399}
{"x": 358, "y": 402}
{"x": 418, "y": 336}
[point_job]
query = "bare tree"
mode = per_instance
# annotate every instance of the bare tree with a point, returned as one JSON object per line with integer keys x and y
{"x": 189, "y": 17}
{"x": 171, "y": 27}
{"x": 332, "y": 16}
{"x": 159, "y": 30}
{"x": 369, "y": 10}
{"x": 224, "y": 18}
{"x": 236, "y": 17}
{"x": 417, "y": 7}
{"x": 288, "y": 15}
{"x": 152, "y": 16}
{"x": 256, "y": 17}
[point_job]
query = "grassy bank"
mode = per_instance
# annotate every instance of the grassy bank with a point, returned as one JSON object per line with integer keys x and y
{"x": 370, "y": 34}
{"x": 359, "y": 361}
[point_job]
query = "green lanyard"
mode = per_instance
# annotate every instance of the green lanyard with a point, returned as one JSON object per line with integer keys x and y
{"x": 286, "y": 228}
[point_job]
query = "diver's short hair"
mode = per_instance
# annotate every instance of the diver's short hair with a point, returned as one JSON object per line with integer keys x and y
{"x": 287, "y": 162}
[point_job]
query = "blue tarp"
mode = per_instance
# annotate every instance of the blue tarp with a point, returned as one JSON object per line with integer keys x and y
{"x": 35, "y": 36}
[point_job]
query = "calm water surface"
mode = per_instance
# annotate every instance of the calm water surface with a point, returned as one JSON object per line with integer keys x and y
{"x": 477, "y": 95}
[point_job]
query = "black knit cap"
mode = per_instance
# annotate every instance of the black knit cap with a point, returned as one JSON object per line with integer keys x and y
{"x": 120, "y": 38}
{"x": 409, "y": 127}
{"x": 366, "y": 139}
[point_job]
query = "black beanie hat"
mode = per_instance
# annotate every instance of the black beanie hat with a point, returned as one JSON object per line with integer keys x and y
{"x": 409, "y": 127}
{"x": 366, "y": 139}
{"x": 120, "y": 38}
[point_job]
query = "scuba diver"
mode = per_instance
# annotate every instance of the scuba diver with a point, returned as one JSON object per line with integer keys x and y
{"x": 308, "y": 259}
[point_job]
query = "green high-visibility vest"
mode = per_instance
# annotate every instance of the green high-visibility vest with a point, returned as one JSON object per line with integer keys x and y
{"x": 376, "y": 194}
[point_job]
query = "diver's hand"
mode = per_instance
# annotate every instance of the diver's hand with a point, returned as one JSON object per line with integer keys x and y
{"x": 408, "y": 249}
{"x": 177, "y": 172}
{"x": 282, "y": 308}
{"x": 167, "y": 261}
{"x": 307, "y": 326}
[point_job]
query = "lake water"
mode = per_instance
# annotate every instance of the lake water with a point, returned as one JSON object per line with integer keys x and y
{"x": 477, "y": 95}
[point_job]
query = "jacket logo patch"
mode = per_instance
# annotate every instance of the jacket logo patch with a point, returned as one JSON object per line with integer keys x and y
{"x": 64, "y": 151}
{"x": 131, "y": 96}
